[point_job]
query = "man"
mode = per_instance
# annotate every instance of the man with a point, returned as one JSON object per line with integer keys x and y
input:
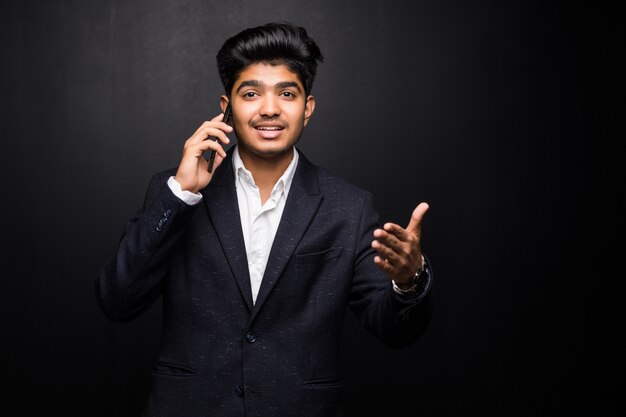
{"x": 258, "y": 259}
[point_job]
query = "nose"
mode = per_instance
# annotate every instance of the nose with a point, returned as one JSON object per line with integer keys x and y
{"x": 269, "y": 106}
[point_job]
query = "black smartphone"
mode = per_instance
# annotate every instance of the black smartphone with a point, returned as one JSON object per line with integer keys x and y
{"x": 228, "y": 121}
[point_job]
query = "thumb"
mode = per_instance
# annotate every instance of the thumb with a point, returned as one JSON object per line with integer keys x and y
{"x": 415, "y": 224}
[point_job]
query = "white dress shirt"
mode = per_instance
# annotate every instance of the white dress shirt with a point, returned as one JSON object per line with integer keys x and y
{"x": 259, "y": 222}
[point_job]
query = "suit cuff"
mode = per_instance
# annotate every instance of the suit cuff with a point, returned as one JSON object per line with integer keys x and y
{"x": 410, "y": 303}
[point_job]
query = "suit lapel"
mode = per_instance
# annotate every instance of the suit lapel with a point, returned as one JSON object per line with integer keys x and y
{"x": 302, "y": 203}
{"x": 220, "y": 198}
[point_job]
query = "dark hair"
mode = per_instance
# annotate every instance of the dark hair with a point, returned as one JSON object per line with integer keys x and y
{"x": 274, "y": 43}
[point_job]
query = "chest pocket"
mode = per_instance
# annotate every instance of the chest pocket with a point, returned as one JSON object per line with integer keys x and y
{"x": 316, "y": 258}
{"x": 318, "y": 263}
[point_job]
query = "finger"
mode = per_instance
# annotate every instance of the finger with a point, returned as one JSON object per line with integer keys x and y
{"x": 384, "y": 266}
{"x": 388, "y": 239}
{"x": 217, "y": 162}
{"x": 216, "y": 121}
{"x": 218, "y": 118}
{"x": 415, "y": 224}
{"x": 212, "y": 133}
{"x": 223, "y": 125}
{"x": 196, "y": 150}
{"x": 385, "y": 252}
{"x": 212, "y": 145}
{"x": 196, "y": 147}
{"x": 201, "y": 133}
{"x": 398, "y": 232}
{"x": 209, "y": 132}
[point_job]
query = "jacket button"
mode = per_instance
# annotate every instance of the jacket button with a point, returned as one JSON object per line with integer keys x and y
{"x": 250, "y": 337}
{"x": 238, "y": 390}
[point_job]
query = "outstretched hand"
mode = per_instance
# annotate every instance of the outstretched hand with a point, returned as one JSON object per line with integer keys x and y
{"x": 399, "y": 251}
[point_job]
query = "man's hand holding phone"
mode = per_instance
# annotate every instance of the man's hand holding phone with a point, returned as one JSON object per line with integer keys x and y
{"x": 192, "y": 173}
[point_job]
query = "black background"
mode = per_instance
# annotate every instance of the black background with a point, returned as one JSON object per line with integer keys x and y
{"x": 502, "y": 115}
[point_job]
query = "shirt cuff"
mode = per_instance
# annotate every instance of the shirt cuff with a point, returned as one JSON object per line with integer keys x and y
{"x": 187, "y": 196}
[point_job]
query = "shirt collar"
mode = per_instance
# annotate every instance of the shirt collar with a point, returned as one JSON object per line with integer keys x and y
{"x": 283, "y": 182}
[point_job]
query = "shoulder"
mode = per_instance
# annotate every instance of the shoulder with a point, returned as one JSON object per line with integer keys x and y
{"x": 330, "y": 182}
{"x": 344, "y": 200}
{"x": 335, "y": 187}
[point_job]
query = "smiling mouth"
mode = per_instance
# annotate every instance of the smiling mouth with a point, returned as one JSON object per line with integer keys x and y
{"x": 269, "y": 131}
{"x": 269, "y": 128}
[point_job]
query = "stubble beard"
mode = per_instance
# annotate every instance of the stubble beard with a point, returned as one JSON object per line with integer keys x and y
{"x": 268, "y": 154}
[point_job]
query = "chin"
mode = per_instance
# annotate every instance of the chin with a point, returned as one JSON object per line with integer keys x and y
{"x": 268, "y": 149}
{"x": 272, "y": 152}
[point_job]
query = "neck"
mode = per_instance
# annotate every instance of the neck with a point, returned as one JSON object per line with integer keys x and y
{"x": 265, "y": 171}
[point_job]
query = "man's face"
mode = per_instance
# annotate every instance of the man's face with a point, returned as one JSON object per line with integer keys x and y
{"x": 269, "y": 110}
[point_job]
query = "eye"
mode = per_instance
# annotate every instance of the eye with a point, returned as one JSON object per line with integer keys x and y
{"x": 249, "y": 94}
{"x": 288, "y": 94}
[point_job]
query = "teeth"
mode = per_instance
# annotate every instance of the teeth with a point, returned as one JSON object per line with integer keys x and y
{"x": 269, "y": 128}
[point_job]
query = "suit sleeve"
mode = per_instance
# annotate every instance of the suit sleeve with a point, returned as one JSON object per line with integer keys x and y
{"x": 396, "y": 320}
{"x": 130, "y": 280}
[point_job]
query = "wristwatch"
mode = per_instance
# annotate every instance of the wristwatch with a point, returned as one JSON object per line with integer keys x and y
{"x": 416, "y": 281}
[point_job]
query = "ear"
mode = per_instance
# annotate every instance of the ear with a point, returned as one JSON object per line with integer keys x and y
{"x": 309, "y": 108}
{"x": 224, "y": 102}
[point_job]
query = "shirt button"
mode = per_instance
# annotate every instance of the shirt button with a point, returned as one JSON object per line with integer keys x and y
{"x": 250, "y": 338}
{"x": 238, "y": 390}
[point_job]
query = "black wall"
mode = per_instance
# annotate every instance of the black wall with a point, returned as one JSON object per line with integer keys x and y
{"x": 496, "y": 113}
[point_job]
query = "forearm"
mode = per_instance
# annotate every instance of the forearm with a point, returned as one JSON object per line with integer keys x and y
{"x": 130, "y": 280}
{"x": 395, "y": 319}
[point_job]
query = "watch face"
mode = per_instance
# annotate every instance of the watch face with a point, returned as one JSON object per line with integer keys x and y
{"x": 418, "y": 283}
{"x": 420, "y": 280}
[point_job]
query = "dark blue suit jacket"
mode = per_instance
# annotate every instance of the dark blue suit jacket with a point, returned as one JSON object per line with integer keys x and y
{"x": 222, "y": 355}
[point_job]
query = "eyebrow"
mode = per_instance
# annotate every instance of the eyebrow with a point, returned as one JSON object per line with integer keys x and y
{"x": 257, "y": 83}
